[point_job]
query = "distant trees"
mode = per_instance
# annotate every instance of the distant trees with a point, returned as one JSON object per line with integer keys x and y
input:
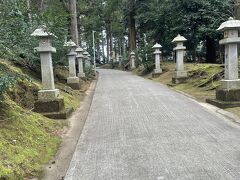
{"x": 144, "y": 22}
{"x": 197, "y": 20}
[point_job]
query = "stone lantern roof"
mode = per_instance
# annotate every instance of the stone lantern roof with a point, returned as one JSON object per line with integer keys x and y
{"x": 70, "y": 43}
{"x": 157, "y": 46}
{"x": 85, "y": 54}
{"x": 179, "y": 38}
{"x": 132, "y": 53}
{"x": 230, "y": 24}
{"x": 41, "y": 32}
{"x": 79, "y": 49}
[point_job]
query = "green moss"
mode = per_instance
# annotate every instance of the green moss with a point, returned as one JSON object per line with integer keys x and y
{"x": 27, "y": 140}
{"x": 70, "y": 100}
{"x": 202, "y": 82}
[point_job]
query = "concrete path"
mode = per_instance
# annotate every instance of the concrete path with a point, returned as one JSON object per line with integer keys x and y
{"x": 140, "y": 130}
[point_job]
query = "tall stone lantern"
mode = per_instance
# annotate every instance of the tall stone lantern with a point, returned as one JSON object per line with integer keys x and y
{"x": 120, "y": 60}
{"x": 80, "y": 57}
{"x": 228, "y": 94}
{"x": 157, "y": 71}
{"x": 85, "y": 58}
{"x": 180, "y": 75}
{"x": 132, "y": 60}
{"x": 49, "y": 101}
{"x": 72, "y": 80}
{"x": 89, "y": 64}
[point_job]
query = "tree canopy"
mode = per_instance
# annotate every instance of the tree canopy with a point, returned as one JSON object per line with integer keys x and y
{"x": 121, "y": 26}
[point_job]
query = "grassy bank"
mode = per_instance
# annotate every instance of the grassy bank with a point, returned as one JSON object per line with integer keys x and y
{"x": 29, "y": 140}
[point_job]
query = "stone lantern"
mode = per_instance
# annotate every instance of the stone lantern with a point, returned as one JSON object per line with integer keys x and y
{"x": 85, "y": 58}
{"x": 180, "y": 75}
{"x": 157, "y": 71}
{"x": 89, "y": 64}
{"x": 80, "y": 57}
{"x": 49, "y": 101}
{"x": 120, "y": 60}
{"x": 132, "y": 60}
{"x": 72, "y": 80}
{"x": 228, "y": 94}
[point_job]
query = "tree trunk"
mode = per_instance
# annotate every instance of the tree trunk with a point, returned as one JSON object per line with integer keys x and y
{"x": 132, "y": 31}
{"x": 103, "y": 51}
{"x": 236, "y": 9}
{"x": 108, "y": 43}
{"x": 210, "y": 50}
{"x": 29, "y": 10}
{"x": 98, "y": 52}
{"x": 73, "y": 21}
{"x": 41, "y": 7}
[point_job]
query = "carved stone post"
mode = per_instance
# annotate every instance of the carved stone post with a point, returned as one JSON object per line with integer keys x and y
{"x": 49, "y": 102}
{"x": 157, "y": 71}
{"x": 228, "y": 94}
{"x": 72, "y": 80}
{"x": 80, "y": 57}
{"x": 180, "y": 75}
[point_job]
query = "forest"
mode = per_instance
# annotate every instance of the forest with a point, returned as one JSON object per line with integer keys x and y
{"x": 119, "y": 27}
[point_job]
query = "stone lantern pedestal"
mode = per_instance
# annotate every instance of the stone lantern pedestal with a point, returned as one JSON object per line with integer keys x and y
{"x": 132, "y": 60}
{"x": 228, "y": 94}
{"x": 157, "y": 71}
{"x": 80, "y": 57}
{"x": 49, "y": 103}
{"x": 72, "y": 80}
{"x": 180, "y": 75}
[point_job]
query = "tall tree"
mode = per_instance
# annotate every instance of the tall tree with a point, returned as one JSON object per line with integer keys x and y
{"x": 74, "y": 22}
{"x": 132, "y": 25}
{"x": 236, "y": 9}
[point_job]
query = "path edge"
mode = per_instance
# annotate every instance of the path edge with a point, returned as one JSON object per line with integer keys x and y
{"x": 58, "y": 168}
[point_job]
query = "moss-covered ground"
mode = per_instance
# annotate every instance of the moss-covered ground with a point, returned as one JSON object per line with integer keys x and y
{"x": 29, "y": 140}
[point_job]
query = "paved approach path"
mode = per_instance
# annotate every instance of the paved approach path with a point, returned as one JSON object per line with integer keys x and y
{"x": 140, "y": 130}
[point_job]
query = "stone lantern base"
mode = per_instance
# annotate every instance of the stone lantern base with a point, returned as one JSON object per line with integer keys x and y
{"x": 81, "y": 75}
{"x": 156, "y": 73}
{"x": 52, "y": 108}
{"x": 180, "y": 77}
{"x": 73, "y": 82}
{"x": 228, "y": 95}
{"x": 226, "y": 98}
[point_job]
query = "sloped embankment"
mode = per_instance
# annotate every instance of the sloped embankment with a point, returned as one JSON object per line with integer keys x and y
{"x": 202, "y": 82}
{"x": 27, "y": 139}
